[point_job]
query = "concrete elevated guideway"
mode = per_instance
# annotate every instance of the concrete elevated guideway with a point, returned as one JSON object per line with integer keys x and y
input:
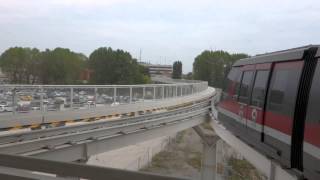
{"x": 73, "y": 134}
{"x": 51, "y": 140}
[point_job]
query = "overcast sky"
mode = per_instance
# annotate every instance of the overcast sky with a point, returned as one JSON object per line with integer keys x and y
{"x": 165, "y": 30}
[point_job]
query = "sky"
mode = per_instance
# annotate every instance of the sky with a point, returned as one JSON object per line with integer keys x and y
{"x": 164, "y": 30}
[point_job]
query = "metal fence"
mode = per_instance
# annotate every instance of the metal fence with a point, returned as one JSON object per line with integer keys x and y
{"x": 18, "y": 99}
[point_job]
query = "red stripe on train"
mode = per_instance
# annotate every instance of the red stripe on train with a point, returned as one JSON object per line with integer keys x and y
{"x": 279, "y": 122}
{"x": 312, "y": 133}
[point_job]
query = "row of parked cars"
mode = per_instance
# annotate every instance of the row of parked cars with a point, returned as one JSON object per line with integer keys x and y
{"x": 30, "y": 100}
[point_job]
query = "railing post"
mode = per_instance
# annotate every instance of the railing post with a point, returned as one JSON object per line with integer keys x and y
{"x": 41, "y": 100}
{"x": 71, "y": 97}
{"x": 130, "y": 98}
{"x": 163, "y": 92}
{"x": 154, "y": 93}
{"x": 114, "y": 95}
{"x": 181, "y": 88}
{"x": 14, "y": 101}
{"x": 176, "y": 91}
{"x": 143, "y": 93}
{"x": 192, "y": 88}
{"x": 95, "y": 96}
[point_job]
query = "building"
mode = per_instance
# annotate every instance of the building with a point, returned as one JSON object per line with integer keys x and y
{"x": 158, "y": 70}
{"x": 85, "y": 75}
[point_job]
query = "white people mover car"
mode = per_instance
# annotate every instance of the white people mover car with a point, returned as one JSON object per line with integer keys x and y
{"x": 5, "y": 108}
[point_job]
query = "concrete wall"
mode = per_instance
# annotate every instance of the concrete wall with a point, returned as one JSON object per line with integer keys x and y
{"x": 132, "y": 157}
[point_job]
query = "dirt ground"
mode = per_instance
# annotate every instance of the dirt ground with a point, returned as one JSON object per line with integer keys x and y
{"x": 183, "y": 158}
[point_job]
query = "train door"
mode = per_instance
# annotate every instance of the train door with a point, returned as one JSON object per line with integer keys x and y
{"x": 257, "y": 100}
{"x": 280, "y": 106}
{"x": 244, "y": 94}
{"x": 311, "y": 143}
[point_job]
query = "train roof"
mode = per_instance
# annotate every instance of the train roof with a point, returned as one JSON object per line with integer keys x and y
{"x": 284, "y": 55}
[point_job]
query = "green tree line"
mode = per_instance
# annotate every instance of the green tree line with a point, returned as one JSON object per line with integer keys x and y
{"x": 213, "y": 66}
{"x": 116, "y": 67}
{"x": 63, "y": 66}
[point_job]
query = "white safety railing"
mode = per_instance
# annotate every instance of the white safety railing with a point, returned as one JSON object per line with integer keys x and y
{"x": 18, "y": 99}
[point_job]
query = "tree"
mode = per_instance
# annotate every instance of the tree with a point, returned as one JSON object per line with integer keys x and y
{"x": 60, "y": 66}
{"x": 20, "y": 64}
{"x": 213, "y": 66}
{"x": 63, "y": 66}
{"x": 115, "y": 67}
{"x": 177, "y": 70}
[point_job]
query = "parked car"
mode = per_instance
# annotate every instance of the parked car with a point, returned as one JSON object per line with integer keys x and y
{"x": 5, "y": 108}
{"x": 23, "y": 108}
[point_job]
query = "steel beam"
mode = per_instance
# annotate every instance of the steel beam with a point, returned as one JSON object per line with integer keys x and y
{"x": 14, "y": 174}
{"x": 69, "y": 170}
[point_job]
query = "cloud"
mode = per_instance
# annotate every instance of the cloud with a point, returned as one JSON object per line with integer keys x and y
{"x": 89, "y": 3}
{"x": 165, "y": 29}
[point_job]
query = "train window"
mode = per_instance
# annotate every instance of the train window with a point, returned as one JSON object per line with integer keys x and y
{"x": 259, "y": 88}
{"x": 313, "y": 113}
{"x": 283, "y": 88}
{"x": 232, "y": 83}
{"x": 245, "y": 86}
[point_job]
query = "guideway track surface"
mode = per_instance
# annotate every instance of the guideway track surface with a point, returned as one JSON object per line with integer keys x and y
{"x": 29, "y": 135}
{"x": 83, "y": 150}
{"x": 50, "y": 138}
{"x": 105, "y": 117}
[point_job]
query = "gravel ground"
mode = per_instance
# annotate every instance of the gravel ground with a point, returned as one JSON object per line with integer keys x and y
{"x": 181, "y": 158}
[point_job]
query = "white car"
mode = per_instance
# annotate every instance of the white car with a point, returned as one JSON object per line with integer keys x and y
{"x": 5, "y": 108}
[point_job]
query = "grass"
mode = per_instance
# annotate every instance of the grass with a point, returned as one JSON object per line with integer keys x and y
{"x": 195, "y": 160}
{"x": 207, "y": 126}
{"x": 163, "y": 156}
{"x": 243, "y": 170}
{"x": 179, "y": 137}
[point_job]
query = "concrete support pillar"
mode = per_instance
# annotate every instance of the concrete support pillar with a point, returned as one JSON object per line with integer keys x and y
{"x": 209, "y": 158}
{"x": 220, "y": 174}
{"x": 208, "y": 167}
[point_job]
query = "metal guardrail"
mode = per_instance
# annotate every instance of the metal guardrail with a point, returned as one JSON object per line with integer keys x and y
{"x": 23, "y": 168}
{"x": 33, "y": 141}
{"x": 42, "y": 133}
{"x": 18, "y": 99}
